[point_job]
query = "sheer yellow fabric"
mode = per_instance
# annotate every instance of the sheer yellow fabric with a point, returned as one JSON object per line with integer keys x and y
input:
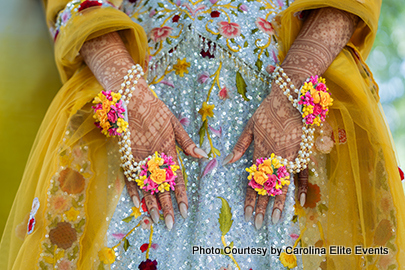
{"x": 74, "y": 203}
{"x": 358, "y": 197}
{"x": 359, "y": 187}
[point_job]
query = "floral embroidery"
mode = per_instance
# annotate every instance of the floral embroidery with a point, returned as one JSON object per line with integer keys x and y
{"x": 206, "y": 110}
{"x": 264, "y": 26}
{"x": 72, "y": 9}
{"x": 181, "y": 67}
{"x": 229, "y": 30}
{"x": 31, "y": 220}
{"x": 160, "y": 33}
{"x": 224, "y": 93}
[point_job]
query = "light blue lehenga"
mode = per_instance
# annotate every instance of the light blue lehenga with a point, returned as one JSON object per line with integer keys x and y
{"x": 226, "y": 62}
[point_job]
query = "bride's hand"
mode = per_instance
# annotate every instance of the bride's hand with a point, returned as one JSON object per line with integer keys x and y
{"x": 276, "y": 126}
{"x": 153, "y": 128}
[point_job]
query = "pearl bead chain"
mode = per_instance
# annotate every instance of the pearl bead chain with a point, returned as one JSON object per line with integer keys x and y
{"x": 128, "y": 164}
{"x": 307, "y": 142}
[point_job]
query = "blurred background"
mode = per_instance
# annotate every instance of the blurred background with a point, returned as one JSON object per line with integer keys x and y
{"x": 27, "y": 88}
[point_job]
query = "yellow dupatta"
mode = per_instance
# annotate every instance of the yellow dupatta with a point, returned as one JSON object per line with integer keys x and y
{"x": 358, "y": 199}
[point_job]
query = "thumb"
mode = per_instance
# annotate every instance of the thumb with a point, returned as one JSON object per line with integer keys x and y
{"x": 185, "y": 142}
{"x": 241, "y": 145}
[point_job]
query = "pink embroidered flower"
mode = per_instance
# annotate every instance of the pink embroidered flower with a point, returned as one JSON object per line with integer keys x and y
{"x": 178, "y": 2}
{"x": 64, "y": 265}
{"x": 160, "y": 33}
{"x": 270, "y": 69}
{"x": 265, "y": 26}
{"x": 184, "y": 120}
{"x": 203, "y": 77}
{"x": 167, "y": 82}
{"x": 294, "y": 236}
{"x": 213, "y": 1}
{"x": 118, "y": 236}
{"x": 324, "y": 144}
{"x": 146, "y": 223}
{"x": 243, "y": 7}
{"x": 229, "y": 30}
{"x": 224, "y": 93}
{"x": 217, "y": 132}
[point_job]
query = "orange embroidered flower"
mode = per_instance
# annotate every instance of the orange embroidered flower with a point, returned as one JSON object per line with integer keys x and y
{"x": 313, "y": 196}
{"x": 63, "y": 235}
{"x": 71, "y": 181}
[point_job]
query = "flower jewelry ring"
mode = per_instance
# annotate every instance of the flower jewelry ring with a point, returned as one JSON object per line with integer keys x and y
{"x": 268, "y": 175}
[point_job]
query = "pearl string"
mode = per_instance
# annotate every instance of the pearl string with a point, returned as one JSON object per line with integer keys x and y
{"x": 307, "y": 142}
{"x": 128, "y": 164}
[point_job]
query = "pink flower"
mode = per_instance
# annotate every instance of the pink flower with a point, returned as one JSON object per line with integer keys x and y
{"x": 167, "y": 82}
{"x": 160, "y": 33}
{"x": 64, "y": 265}
{"x": 112, "y": 116}
{"x": 254, "y": 185}
{"x": 280, "y": 3}
{"x": 313, "y": 79}
{"x": 294, "y": 236}
{"x": 282, "y": 172}
{"x": 243, "y": 7}
{"x": 203, "y": 77}
{"x": 152, "y": 12}
{"x": 229, "y": 30}
{"x": 178, "y": 2}
{"x": 270, "y": 69}
{"x": 317, "y": 109}
{"x": 146, "y": 223}
{"x": 224, "y": 93}
{"x": 184, "y": 120}
{"x": 270, "y": 183}
{"x": 65, "y": 17}
{"x": 213, "y": 1}
{"x": 321, "y": 87}
{"x": 265, "y": 26}
{"x": 217, "y": 132}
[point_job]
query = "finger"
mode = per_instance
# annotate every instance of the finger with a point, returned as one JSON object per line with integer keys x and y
{"x": 167, "y": 207}
{"x": 303, "y": 186}
{"x": 261, "y": 207}
{"x": 250, "y": 202}
{"x": 279, "y": 205}
{"x": 151, "y": 204}
{"x": 180, "y": 188}
{"x": 132, "y": 188}
{"x": 242, "y": 144}
{"x": 185, "y": 142}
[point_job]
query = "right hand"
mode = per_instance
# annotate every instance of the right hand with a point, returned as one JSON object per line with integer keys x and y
{"x": 153, "y": 128}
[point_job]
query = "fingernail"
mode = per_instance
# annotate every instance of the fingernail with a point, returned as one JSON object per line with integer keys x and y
{"x": 248, "y": 212}
{"x": 200, "y": 152}
{"x": 155, "y": 215}
{"x": 169, "y": 222}
{"x": 303, "y": 198}
{"x": 227, "y": 159}
{"x": 183, "y": 210}
{"x": 258, "y": 221}
{"x": 136, "y": 201}
{"x": 276, "y": 216}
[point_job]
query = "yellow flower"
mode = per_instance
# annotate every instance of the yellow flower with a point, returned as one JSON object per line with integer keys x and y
{"x": 115, "y": 96}
{"x": 175, "y": 168}
{"x": 158, "y": 176}
{"x": 164, "y": 186}
{"x": 141, "y": 181}
{"x": 99, "y": 98}
{"x": 135, "y": 212}
{"x": 206, "y": 110}
{"x": 288, "y": 260}
{"x": 181, "y": 67}
{"x": 276, "y": 163}
{"x": 152, "y": 165}
{"x": 266, "y": 167}
{"x": 72, "y": 214}
{"x": 261, "y": 191}
{"x": 260, "y": 177}
{"x": 106, "y": 255}
{"x": 122, "y": 125}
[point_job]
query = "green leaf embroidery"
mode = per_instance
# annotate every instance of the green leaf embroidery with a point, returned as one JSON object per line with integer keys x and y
{"x": 241, "y": 85}
{"x": 295, "y": 218}
{"x": 234, "y": 13}
{"x": 81, "y": 197}
{"x": 246, "y": 44}
{"x": 242, "y": 35}
{"x": 266, "y": 52}
{"x": 161, "y": 5}
{"x": 255, "y": 30}
{"x": 200, "y": 18}
{"x": 128, "y": 219}
{"x": 126, "y": 244}
{"x": 225, "y": 217}
{"x": 262, "y": 8}
{"x": 391, "y": 246}
{"x": 256, "y": 50}
{"x": 202, "y": 132}
{"x": 185, "y": 176}
{"x": 43, "y": 265}
{"x": 232, "y": 40}
{"x": 259, "y": 64}
{"x": 230, "y": 245}
{"x": 322, "y": 207}
{"x": 392, "y": 267}
{"x": 140, "y": 20}
{"x": 160, "y": 16}
{"x": 101, "y": 266}
{"x": 216, "y": 151}
{"x": 219, "y": 36}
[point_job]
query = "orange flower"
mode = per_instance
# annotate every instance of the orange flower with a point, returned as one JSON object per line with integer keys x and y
{"x": 266, "y": 167}
{"x": 260, "y": 177}
{"x": 313, "y": 196}
{"x": 315, "y": 95}
{"x": 63, "y": 235}
{"x": 325, "y": 99}
{"x": 71, "y": 181}
{"x": 158, "y": 176}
